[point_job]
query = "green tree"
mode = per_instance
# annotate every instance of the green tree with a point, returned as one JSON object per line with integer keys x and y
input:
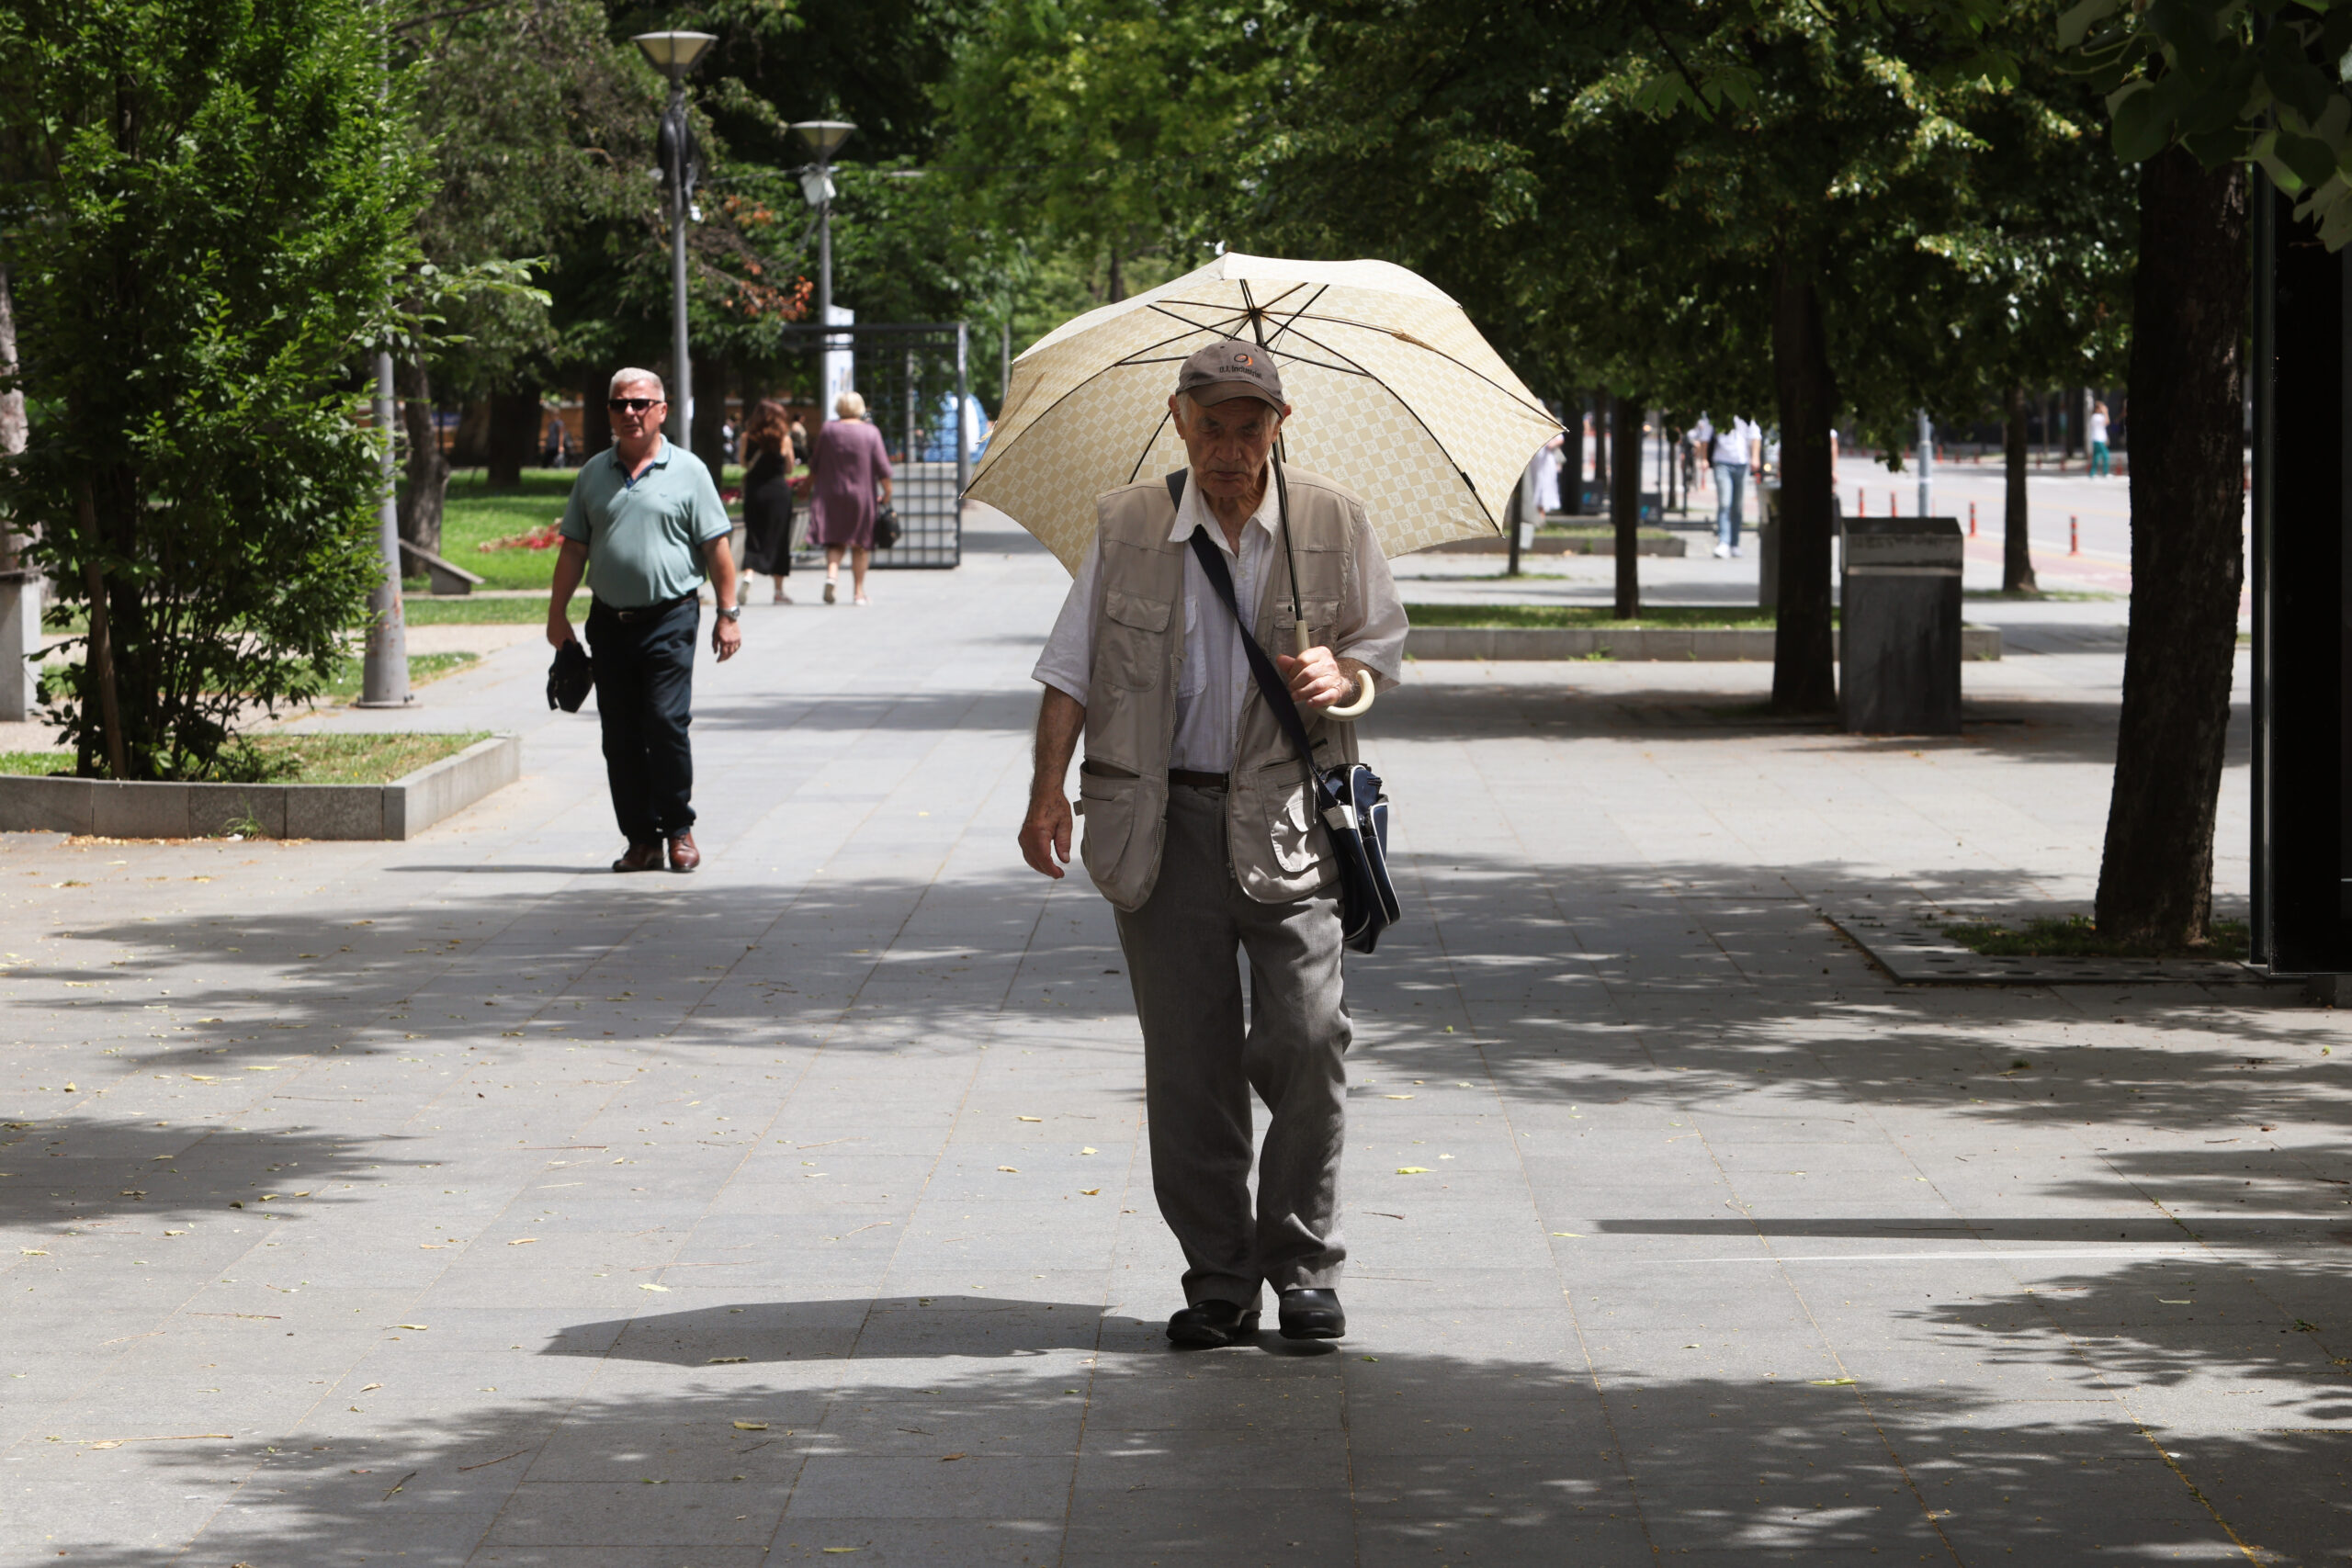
{"x": 1765, "y": 202}
{"x": 1112, "y": 129}
{"x": 537, "y": 125}
{"x": 224, "y": 193}
{"x": 2197, "y": 87}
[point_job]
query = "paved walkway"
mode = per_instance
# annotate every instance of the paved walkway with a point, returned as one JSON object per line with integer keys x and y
{"x": 453, "y": 1202}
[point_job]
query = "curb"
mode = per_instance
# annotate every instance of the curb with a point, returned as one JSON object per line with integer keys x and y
{"x": 1702, "y": 644}
{"x": 401, "y": 810}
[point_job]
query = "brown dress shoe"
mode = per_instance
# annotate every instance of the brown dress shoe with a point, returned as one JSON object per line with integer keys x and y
{"x": 683, "y": 856}
{"x": 646, "y": 856}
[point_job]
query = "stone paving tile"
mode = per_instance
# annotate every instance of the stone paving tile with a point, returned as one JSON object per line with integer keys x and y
{"x": 780, "y": 1092}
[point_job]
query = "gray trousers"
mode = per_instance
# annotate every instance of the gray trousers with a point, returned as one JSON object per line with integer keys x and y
{"x": 1201, "y": 1064}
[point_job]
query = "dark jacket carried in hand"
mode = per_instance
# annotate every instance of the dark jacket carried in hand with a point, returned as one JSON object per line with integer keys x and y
{"x": 570, "y": 678}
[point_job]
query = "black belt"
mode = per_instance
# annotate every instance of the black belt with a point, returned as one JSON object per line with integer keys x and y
{"x": 642, "y": 610}
{"x": 1186, "y": 776}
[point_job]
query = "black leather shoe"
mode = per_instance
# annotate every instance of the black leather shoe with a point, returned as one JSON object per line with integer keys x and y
{"x": 1213, "y": 1323}
{"x": 646, "y": 856}
{"x": 1312, "y": 1314}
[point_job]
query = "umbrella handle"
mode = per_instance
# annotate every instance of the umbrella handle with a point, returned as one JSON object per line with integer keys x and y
{"x": 1363, "y": 704}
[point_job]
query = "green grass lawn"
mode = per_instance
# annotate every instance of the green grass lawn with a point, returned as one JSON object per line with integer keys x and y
{"x": 1596, "y": 531}
{"x": 1546, "y": 617}
{"x": 2075, "y": 937}
{"x": 421, "y": 668}
{"x": 2050, "y": 595}
{"x": 472, "y": 515}
{"x": 484, "y": 612}
{"x": 305, "y": 759}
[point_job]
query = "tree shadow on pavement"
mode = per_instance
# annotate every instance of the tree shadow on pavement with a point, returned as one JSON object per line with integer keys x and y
{"x": 77, "y": 1173}
{"x": 983, "y": 1447}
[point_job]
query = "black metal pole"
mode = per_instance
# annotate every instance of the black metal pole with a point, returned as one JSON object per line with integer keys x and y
{"x": 2261, "y": 944}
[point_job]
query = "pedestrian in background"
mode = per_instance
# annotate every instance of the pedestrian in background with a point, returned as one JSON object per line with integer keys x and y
{"x": 1736, "y": 450}
{"x": 767, "y": 495}
{"x": 643, "y": 524}
{"x": 2097, "y": 430}
{"x": 1695, "y": 443}
{"x": 850, "y": 469}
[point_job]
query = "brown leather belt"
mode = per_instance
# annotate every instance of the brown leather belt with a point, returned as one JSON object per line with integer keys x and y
{"x": 1196, "y": 781}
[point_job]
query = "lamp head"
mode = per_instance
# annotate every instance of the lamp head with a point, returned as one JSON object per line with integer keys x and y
{"x": 673, "y": 54}
{"x": 824, "y": 136}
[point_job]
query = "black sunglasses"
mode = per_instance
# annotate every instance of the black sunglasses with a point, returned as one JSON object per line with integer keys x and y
{"x": 634, "y": 405}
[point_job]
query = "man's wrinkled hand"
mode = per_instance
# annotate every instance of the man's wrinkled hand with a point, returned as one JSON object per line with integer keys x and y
{"x": 1316, "y": 678}
{"x": 558, "y": 630}
{"x": 1044, "y": 835}
{"x": 726, "y": 637}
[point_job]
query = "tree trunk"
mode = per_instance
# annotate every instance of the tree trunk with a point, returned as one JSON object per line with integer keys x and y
{"x": 514, "y": 436}
{"x": 13, "y": 428}
{"x": 2189, "y": 301}
{"x": 428, "y": 470}
{"x": 1572, "y": 461}
{"x": 1600, "y": 439}
{"x": 1625, "y": 506}
{"x": 101, "y": 637}
{"x": 2016, "y": 555}
{"x": 595, "y": 418}
{"x": 707, "y": 439}
{"x": 1805, "y": 677}
{"x": 1118, "y": 284}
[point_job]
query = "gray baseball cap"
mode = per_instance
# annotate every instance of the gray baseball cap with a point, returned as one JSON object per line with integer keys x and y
{"x": 1230, "y": 369}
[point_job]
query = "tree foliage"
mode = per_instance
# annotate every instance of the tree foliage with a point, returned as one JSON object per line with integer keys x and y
{"x": 2258, "y": 80}
{"x": 223, "y": 193}
{"x": 1639, "y": 195}
{"x": 1112, "y": 128}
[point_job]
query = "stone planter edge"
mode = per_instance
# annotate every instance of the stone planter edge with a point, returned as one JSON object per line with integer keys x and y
{"x": 401, "y": 810}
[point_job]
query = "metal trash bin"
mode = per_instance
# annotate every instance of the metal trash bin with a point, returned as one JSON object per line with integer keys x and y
{"x": 1898, "y": 655}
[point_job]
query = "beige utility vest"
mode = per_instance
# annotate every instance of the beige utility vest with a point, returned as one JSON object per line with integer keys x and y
{"x": 1278, "y": 850}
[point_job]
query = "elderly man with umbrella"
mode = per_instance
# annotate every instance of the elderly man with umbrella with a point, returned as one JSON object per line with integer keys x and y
{"x": 1200, "y": 826}
{"x": 1200, "y": 832}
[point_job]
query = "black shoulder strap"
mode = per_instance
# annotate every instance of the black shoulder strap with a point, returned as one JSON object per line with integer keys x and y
{"x": 1270, "y": 680}
{"x": 1175, "y": 483}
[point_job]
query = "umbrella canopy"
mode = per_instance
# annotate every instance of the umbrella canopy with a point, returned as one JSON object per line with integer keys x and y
{"x": 1393, "y": 394}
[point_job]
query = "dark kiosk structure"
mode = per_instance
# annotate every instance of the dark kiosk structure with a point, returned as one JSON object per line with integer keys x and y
{"x": 2303, "y": 590}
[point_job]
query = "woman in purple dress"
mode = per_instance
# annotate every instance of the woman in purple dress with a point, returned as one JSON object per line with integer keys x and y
{"x": 850, "y": 480}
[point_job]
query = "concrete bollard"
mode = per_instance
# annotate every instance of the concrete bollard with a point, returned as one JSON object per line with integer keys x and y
{"x": 2073, "y": 535}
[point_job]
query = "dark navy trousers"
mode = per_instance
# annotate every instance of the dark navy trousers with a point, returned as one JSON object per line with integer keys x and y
{"x": 645, "y": 693}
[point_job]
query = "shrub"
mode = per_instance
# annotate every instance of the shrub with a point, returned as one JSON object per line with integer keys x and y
{"x": 219, "y": 193}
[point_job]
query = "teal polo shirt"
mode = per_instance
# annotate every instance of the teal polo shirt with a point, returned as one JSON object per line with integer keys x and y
{"x": 645, "y": 536}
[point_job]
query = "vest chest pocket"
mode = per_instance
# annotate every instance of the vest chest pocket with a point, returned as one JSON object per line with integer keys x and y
{"x": 1322, "y": 621}
{"x": 1131, "y": 645}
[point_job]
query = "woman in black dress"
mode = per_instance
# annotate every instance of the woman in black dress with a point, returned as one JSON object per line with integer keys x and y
{"x": 767, "y": 495}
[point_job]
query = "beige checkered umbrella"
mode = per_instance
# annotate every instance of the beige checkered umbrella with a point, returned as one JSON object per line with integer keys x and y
{"x": 1394, "y": 394}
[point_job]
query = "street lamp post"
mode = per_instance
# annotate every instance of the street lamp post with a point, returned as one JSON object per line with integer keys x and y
{"x": 1927, "y": 464}
{"x": 673, "y": 54}
{"x": 823, "y": 138}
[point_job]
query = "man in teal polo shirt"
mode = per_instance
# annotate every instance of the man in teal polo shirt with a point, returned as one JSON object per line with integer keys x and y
{"x": 643, "y": 521}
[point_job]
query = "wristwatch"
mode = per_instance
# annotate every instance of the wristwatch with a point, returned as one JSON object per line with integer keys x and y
{"x": 732, "y": 614}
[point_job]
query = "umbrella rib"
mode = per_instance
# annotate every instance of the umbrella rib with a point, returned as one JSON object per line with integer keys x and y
{"x": 1426, "y": 347}
{"x": 1405, "y": 403}
{"x": 1320, "y": 290}
{"x": 1135, "y": 472}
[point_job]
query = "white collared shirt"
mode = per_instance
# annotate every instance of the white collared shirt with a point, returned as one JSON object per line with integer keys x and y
{"x": 1217, "y": 680}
